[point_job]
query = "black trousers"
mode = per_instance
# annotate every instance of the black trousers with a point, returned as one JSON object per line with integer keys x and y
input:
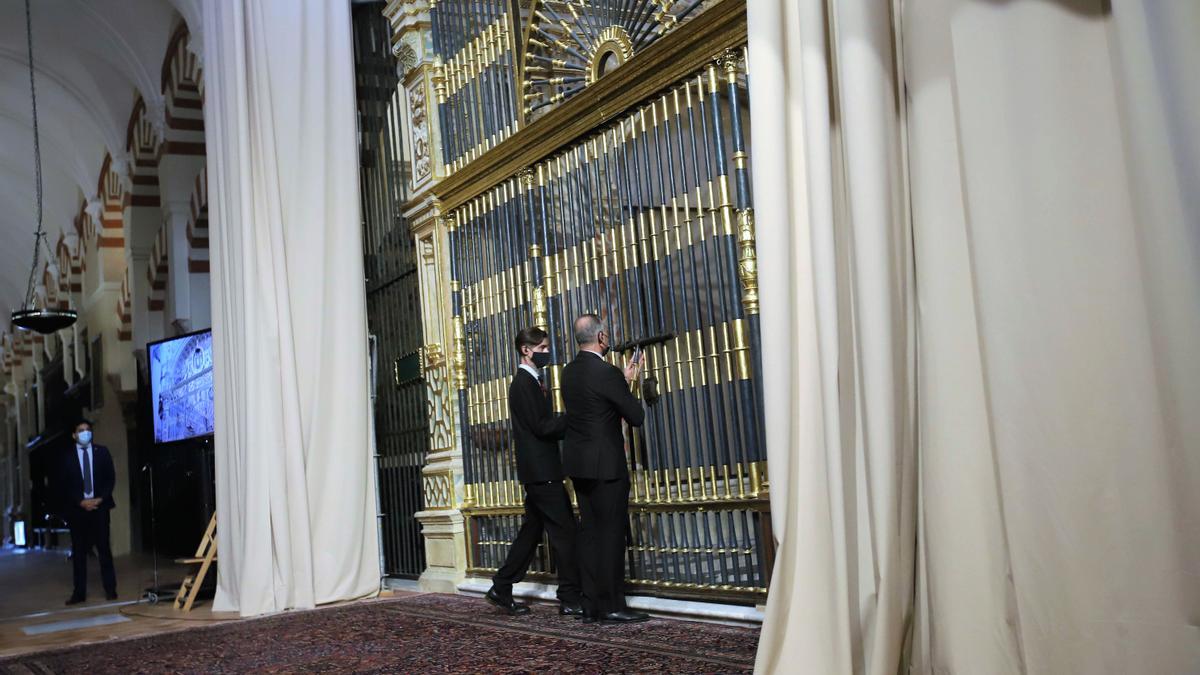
{"x": 90, "y": 529}
{"x": 603, "y": 525}
{"x": 548, "y": 509}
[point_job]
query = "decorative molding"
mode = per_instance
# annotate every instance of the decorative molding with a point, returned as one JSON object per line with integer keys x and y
{"x": 420, "y": 134}
{"x": 406, "y": 58}
{"x": 439, "y": 490}
{"x": 442, "y": 420}
{"x": 747, "y": 260}
{"x": 408, "y": 17}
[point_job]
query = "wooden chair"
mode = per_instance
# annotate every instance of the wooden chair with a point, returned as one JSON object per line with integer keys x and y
{"x": 206, "y": 555}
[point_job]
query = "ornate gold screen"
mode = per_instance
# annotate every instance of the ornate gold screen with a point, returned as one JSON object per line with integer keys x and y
{"x": 644, "y": 216}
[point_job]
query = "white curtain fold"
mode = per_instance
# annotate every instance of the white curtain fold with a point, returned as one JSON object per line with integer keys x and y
{"x": 836, "y": 305}
{"x": 1019, "y": 353}
{"x": 294, "y": 446}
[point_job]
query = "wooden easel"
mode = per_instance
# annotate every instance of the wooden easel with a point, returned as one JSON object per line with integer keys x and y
{"x": 206, "y": 555}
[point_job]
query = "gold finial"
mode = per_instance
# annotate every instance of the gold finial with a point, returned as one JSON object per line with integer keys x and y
{"x": 527, "y": 177}
{"x": 460, "y": 354}
{"x": 539, "y": 307}
{"x": 728, "y": 61}
{"x": 747, "y": 260}
{"x": 439, "y": 80}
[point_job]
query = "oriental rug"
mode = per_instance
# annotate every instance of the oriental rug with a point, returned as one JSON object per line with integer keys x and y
{"x": 427, "y": 633}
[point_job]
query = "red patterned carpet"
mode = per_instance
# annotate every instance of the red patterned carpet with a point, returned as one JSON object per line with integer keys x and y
{"x": 416, "y": 634}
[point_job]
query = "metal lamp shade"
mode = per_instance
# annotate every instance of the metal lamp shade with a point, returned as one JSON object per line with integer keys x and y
{"x": 44, "y": 321}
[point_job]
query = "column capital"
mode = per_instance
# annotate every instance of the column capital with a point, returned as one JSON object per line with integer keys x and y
{"x": 94, "y": 208}
{"x": 176, "y": 208}
{"x": 156, "y": 115}
{"x": 412, "y": 41}
{"x": 120, "y": 163}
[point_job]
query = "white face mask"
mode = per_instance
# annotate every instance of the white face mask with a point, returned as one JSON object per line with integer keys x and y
{"x": 85, "y": 437}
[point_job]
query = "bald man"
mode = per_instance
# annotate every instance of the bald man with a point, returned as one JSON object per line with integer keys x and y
{"x": 597, "y": 398}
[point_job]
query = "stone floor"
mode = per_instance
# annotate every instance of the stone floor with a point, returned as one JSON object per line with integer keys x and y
{"x": 36, "y": 583}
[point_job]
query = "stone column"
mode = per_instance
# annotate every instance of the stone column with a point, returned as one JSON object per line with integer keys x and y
{"x": 441, "y": 521}
{"x": 8, "y": 481}
{"x": 442, "y": 484}
{"x": 18, "y": 388}
{"x": 179, "y": 286}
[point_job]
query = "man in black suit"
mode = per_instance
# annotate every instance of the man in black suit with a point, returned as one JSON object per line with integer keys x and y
{"x": 536, "y": 433}
{"x": 597, "y": 397}
{"x": 86, "y": 482}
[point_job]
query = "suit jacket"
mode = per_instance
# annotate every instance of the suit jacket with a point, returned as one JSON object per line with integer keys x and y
{"x": 104, "y": 479}
{"x": 536, "y": 430}
{"x": 597, "y": 399}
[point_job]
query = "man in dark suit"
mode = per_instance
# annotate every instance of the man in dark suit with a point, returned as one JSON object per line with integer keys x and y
{"x": 597, "y": 397}
{"x": 86, "y": 482}
{"x": 536, "y": 433}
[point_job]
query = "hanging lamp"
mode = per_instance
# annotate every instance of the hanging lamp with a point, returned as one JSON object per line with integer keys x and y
{"x": 44, "y": 320}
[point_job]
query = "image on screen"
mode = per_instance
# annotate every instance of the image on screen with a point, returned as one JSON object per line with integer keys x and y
{"x": 181, "y": 386}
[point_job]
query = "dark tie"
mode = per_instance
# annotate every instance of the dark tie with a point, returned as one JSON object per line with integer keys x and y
{"x": 542, "y": 383}
{"x": 87, "y": 472}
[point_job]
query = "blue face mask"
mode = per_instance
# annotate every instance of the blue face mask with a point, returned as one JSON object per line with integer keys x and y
{"x": 85, "y": 437}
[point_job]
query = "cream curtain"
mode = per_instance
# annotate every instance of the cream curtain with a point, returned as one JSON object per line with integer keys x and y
{"x": 837, "y": 303}
{"x": 295, "y": 485}
{"x": 1020, "y": 354}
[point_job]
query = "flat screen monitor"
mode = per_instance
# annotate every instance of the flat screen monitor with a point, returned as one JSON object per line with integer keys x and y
{"x": 181, "y": 386}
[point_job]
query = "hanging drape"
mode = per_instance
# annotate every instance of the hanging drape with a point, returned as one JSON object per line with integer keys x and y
{"x": 836, "y": 294}
{"x": 983, "y": 293}
{"x": 295, "y": 486}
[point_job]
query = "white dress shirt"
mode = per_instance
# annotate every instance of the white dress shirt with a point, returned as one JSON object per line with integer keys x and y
{"x": 91, "y": 464}
{"x": 537, "y": 375}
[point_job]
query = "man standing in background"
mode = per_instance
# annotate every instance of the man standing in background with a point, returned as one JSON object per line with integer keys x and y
{"x": 86, "y": 482}
{"x": 597, "y": 398}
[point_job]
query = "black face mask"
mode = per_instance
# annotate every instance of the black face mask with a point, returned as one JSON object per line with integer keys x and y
{"x": 540, "y": 359}
{"x": 605, "y": 347}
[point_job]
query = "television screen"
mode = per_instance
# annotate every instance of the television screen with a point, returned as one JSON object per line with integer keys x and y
{"x": 181, "y": 387}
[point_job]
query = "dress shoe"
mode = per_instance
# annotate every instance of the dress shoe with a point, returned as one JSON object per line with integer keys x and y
{"x": 509, "y": 605}
{"x": 110, "y": 596}
{"x": 571, "y": 609}
{"x": 75, "y": 600}
{"x": 624, "y": 616}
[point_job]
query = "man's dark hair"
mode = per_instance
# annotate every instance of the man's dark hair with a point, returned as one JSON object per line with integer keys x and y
{"x": 529, "y": 337}
{"x": 82, "y": 421}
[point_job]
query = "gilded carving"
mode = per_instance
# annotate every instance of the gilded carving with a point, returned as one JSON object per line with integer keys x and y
{"x": 439, "y": 490}
{"x": 729, "y": 61}
{"x": 540, "y": 312}
{"x": 747, "y": 260}
{"x": 460, "y": 354}
{"x": 419, "y": 132}
{"x": 406, "y": 58}
{"x": 563, "y": 57}
{"x": 428, "y": 252}
{"x": 613, "y": 48}
{"x": 441, "y": 406}
{"x": 439, "y": 80}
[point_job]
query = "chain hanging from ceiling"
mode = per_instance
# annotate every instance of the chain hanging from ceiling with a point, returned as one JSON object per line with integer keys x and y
{"x": 44, "y": 320}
